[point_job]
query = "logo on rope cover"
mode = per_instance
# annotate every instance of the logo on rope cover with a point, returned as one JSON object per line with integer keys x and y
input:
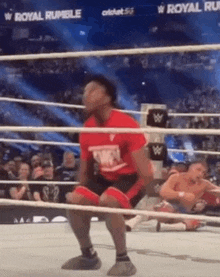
{"x": 157, "y": 118}
{"x": 157, "y": 151}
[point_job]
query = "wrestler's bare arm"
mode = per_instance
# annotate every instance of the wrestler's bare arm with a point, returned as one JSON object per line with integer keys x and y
{"x": 143, "y": 164}
{"x": 167, "y": 190}
{"x": 213, "y": 189}
{"x": 86, "y": 171}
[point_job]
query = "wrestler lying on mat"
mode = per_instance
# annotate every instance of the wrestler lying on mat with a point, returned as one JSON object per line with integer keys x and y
{"x": 182, "y": 193}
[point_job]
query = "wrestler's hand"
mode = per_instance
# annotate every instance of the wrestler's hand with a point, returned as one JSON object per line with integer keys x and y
{"x": 69, "y": 197}
{"x": 187, "y": 197}
{"x": 200, "y": 205}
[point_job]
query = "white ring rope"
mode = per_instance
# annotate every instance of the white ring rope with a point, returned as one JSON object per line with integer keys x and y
{"x": 168, "y": 131}
{"x": 78, "y": 145}
{"x": 46, "y": 103}
{"x": 194, "y": 151}
{"x": 134, "y": 51}
{"x": 38, "y": 182}
{"x": 194, "y": 114}
{"x": 40, "y": 204}
{"x": 39, "y": 142}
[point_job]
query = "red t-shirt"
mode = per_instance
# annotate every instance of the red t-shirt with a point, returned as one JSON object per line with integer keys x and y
{"x": 111, "y": 151}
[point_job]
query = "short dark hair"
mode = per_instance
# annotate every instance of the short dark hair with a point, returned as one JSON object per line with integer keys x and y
{"x": 47, "y": 163}
{"x": 200, "y": 161}
{"x": 109, "y": 85}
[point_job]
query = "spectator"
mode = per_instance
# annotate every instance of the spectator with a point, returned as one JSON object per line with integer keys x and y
{"x": 215, "y": 178}
{"x": 50, "y": 191}
{"x": 18, "y": 161}
{"x": 11, "y": 169}
{"x": 22, "y": 191}
{"x": 66, "y": 172}
{"x": 37, "y": 170}
{"x": 4, "y": 188}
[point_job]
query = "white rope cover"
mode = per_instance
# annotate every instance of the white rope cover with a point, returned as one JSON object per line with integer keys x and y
{"x": 40, "y": 204}
{"x": 168, "y": 131}
{"x": 134, "y": 51}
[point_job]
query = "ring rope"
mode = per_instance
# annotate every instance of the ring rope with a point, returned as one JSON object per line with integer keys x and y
{"x": 195, "y": 114}
{"x": 39, "y": 142}
{"x": 40, "y": 204}
{"x": 168, "y": 131}
{"x": 38, "y": 182}
{"x": 140, "y": 51}
{"x": 46, "y": 103}
{"x": 78, "y": 145}
{"x": 194, "y": 151}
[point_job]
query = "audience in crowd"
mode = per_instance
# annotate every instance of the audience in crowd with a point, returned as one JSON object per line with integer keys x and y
{"x": 46, "y": 192}
{"x": 22, "y": 190}
{"x": 37, "y": 170}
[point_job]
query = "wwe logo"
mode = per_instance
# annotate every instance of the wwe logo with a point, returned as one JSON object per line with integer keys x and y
{"x": 158, "y": 117}
{"x": 161, "y": 9}
{"x": 8, "y": 16}
{"x": 157, "y": 150}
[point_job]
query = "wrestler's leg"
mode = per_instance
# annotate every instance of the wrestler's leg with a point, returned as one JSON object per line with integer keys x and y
{"x": 165, "y": 224}
{"x": 115, "y": 223}
{"x": 146, "y": 203}
{"x": 80, "y": 224}
{"x": 80, "y": 220}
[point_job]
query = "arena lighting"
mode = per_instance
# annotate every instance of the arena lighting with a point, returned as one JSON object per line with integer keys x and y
{"x": 23, "y": 118}
{"x": 188, "y": 145}
{"x": 74, "y": 41}
{"x": 171, "y": 143}
{"x": 36, "y": 94}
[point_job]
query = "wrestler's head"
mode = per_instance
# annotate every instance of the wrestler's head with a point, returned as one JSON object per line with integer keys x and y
{"x": 177, "y": 168}
{"x": 197, "y": 170}
{"x": 98, "y": 93}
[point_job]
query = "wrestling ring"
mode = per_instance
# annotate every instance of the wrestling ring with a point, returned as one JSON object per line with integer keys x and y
{"x": 34, "y": 250}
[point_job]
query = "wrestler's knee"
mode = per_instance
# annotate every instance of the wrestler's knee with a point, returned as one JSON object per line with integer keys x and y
{"x": 108, "y": 201}
{"x": 82, "y": 196}
{"x": 114, "y": 198}
{"x": 166, "y": 207}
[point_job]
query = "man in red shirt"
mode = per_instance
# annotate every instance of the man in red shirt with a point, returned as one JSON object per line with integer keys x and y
{"x": 123, "y": 172}
{"x": 183, "y": 193}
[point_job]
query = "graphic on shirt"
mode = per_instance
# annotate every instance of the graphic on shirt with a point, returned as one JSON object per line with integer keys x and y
{"x": 51, "y": 193}
{"x": 108, "y": 157}
{"x": 112, "y": 136}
